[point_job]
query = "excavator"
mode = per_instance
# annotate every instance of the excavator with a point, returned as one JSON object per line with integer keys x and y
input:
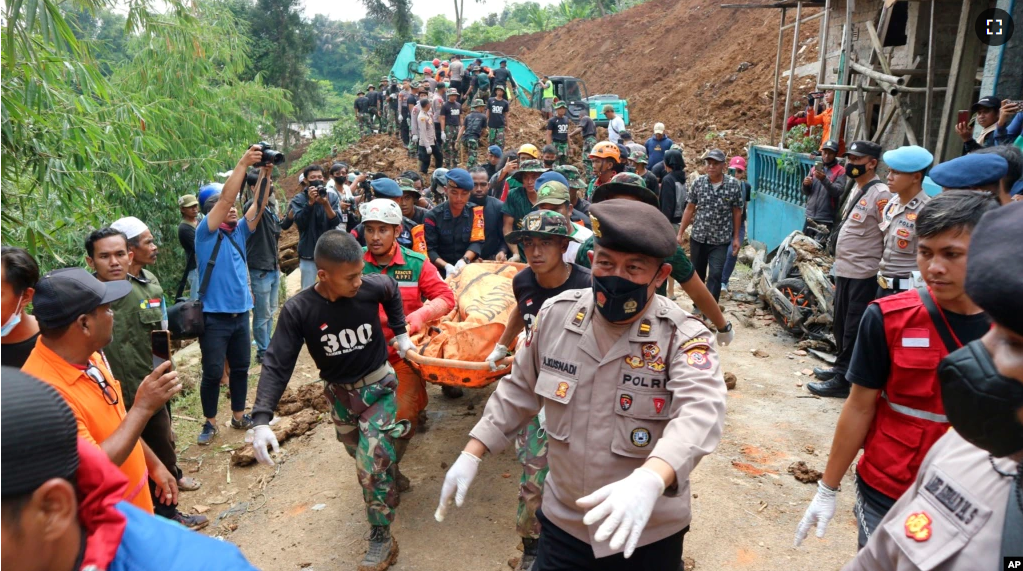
{"x": 571, "y": 90}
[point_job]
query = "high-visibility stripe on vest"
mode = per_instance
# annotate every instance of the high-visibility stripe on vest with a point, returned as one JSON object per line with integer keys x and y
{"x": 910, "y": 416}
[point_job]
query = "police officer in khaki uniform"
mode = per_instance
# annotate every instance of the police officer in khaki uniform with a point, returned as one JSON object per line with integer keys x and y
{"x": 906, "y": 169}
{"x": 965, "y": 510}
{"x": 633, "y": 398}
{"x": 857, "y": 257}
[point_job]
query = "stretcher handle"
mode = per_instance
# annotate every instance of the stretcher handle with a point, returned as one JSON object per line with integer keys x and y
{"x": 415, "y": 357}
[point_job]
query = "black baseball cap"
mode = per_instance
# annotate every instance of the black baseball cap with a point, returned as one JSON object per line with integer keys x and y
{"x": 830, "y": 145}
{"x": 62, "y": 295}
{"x": 715, "y": 155}
{"x": 864, "y": 149}
{"x": 990, "y": 102}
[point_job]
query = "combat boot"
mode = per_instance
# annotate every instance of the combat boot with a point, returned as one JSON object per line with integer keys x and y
{"x": 529, "y": 546}
{"x": 382, "y": 552}
{"x": 401, "y": 481}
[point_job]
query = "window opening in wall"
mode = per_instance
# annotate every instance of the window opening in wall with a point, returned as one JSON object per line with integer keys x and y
{"x": 875, "y": 119}
{"x": 897, "y": 24}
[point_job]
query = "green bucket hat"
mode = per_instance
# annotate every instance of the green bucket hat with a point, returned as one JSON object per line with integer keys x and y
{"x": 528, "y": 166}
{"x": 406, "y": 185}
{"x": 627, "y": 183}
{"x": 575, "y": 178}
{"x": 639, "y": 157}
{"x": 542, "y": 223}
{"x": 560, "y": 105}
{"x": 478, "y": 103}
{"x": 552, "y": 192}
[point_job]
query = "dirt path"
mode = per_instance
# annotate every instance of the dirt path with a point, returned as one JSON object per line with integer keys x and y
{"x": 310, "y": 514}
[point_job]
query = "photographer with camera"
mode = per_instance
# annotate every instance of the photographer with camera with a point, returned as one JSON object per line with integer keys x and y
{"x": 315, "y": 211}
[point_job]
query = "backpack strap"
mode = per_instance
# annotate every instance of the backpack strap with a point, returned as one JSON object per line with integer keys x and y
{"x": 939, "y": 322}
{"x": 209, "y": 266}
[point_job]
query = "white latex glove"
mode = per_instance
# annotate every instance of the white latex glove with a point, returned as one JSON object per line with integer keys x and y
{"x": 443, "y": 137}
{"x": 415, "y": 139}
{"x": 429, "y": 149}
{"x": 261, "y": 438}
{"x": 820, "y": 511}
{"x": 499, "y": 352}
{"x": 403, "y": 344}
{"x": 726, "y": 337}
{"x": 451, "y": 271}
{"x": 626, "y": 505}
{"x": 458, "y": 478}
{"x": 460, "y": 265}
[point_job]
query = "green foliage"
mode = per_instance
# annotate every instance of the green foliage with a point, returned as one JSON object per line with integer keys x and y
{"x": 82, "y": 148}
{"x": 343, "y": 133}
{"x": 801, "y": 140}
{"x": 788, "y": 163}
{"x": 439, "y": 31}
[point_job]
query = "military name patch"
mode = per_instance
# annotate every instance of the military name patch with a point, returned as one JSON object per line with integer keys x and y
{"x": 954, "y": 500}
{"x": 640, "y": 437}
{"x": 403, "y": 275}
{"x": 568, "y": 368}
{"x": 641, "y": 381}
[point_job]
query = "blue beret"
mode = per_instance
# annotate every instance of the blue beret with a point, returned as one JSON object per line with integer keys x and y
{"x": 549, "y": 176}
{"x": 495, "y": 150}
{"x": 386, "y": 188}
{"x": 970, "y": 171}
{"x": 461, "y": 178}
{"x": 909, "y": 159}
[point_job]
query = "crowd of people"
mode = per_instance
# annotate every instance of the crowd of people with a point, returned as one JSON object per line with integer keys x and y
{"x": 614, "y": 392}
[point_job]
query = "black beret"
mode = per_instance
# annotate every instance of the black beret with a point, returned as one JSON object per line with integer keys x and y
{"x": 629, "y": 226}
{"x": 41, "y": 439}
{"x": 994, "y": 269}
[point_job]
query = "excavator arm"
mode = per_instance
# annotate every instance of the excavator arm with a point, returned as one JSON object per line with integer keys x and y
{"x": 406, "y": 65}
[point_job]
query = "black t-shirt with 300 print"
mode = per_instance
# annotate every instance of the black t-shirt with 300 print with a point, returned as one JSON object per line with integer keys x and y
{"x": 344, "y": 338}
{"x": 529, "y": 296}
{"x": 498, "y": 108}
{"x": 452, "y": 113}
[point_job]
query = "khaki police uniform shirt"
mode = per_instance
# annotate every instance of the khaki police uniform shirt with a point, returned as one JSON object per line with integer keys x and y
{"x": 861, "y": 241}
{"x": 950, "y": 520}
{"x": 657, "y": 392}
{"x": 899, "y": 226}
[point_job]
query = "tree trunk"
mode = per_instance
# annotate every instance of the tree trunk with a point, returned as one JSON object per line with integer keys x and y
{"x": 459, "y": 10}
{"x": 600, "y": 6}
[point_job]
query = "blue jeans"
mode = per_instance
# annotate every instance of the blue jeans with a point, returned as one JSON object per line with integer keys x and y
{"x": 308, "y": 269}
{"x": 730, "y": 259}
{"x": 193, "y": 284}
{"x": 265, "y": 286}
{"x": 225, "y": 338}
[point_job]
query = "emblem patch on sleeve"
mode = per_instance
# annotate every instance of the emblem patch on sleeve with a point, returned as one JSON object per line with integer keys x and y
{"x": 918, "y": 526}
{"x": 640, "y": 437}
{"x": 625, "y": 401}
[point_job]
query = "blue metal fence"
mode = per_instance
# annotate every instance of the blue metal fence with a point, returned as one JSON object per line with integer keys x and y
{"x": 778, "y": 204}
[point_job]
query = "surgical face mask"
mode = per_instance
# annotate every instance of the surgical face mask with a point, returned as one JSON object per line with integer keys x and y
{"x": 548, "y": 163}
{"x": 13, "y": 321}
{"x": 981, "y": 404}
{"x": 855, "y": 171}
{"x": 619, "y": 299}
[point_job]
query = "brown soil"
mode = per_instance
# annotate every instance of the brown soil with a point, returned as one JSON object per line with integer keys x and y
{"x": 804, "y": 473}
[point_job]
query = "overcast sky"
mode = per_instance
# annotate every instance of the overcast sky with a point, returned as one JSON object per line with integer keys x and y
{"x": 425, "y": 9}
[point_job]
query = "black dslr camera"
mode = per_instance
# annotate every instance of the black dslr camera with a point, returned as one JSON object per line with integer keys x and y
{"x": 270, "y": 156}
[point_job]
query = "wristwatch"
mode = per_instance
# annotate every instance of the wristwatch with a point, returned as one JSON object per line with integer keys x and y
{"x": 726, "y": 328}
{"x": 466, "y": 260}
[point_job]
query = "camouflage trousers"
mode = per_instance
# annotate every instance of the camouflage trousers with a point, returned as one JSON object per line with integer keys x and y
{"x": 374, "y": 120}
{"x": 387, "y": 124}
{"x": 472, "y": 147}
{"x": 365, "y": 422}
{"x": 413, "y": 148}
{"x": 531, "y": 450}
{"x": 497, "y": 137}
{"x": 483, "y": 94}
{"x": 588, "y": 144}
{"x": 450, "y": 147}
{"x": 365, "y": 124}
{"x": 562, "y": 150}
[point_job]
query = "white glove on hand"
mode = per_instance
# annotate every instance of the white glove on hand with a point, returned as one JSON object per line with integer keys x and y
{"x": 403, "y": 344}
{"x": 443, "y": 137}
{"x": 499, "y": 352}
{"x": 460, "y": 265}
{"x": 261, "y": 438}
{"x": 726, "y": 337}
{"x": 626, "y": 505}
{"x": 415, "y": 139}
{"x": 429, "y": 149}
{"x": 458, "y": 478}
{"x": 820, "y": 511}
{"x": 451, "y": 271}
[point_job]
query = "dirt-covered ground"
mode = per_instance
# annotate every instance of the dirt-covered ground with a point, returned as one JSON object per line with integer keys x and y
{"x": 307, "y": 513}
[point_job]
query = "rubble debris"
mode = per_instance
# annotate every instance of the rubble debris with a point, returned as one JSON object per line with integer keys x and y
{"x": 804, "y": 473}
{"x": 289, "y": 427}
{"x": 730, "y": 380}
{"x": 796, "y": 287}
{"x": 307, "y": 396}
{"x": 760, "y": 353}
{"x": 688, "y": 563}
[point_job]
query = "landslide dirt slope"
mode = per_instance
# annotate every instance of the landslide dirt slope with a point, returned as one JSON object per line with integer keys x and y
{"x": 678, "y": 62}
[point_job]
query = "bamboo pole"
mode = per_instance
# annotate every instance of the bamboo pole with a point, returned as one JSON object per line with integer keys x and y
{"x": 929, "y": 90}
{"x": 777, "y": 65}
{"x": 876, "y": 75}
{"x": 910, "y": 134}
{"x": 821, "y": 73}
{"x": 792, "y": 71}
{"x": 868, "y": 88}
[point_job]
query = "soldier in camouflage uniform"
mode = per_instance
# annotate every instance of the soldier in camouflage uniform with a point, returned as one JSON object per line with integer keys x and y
{"x": 341, "y": 328}
{"x": 497, "y": 112}
{"x": 472, "y": 130}
{"x": 588, "y": 129}
{"x": 451, "y": 120}
{"x": 362, "y": 113}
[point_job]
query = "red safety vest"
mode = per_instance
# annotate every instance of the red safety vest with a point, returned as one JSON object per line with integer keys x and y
{"x": 910, "y": 416}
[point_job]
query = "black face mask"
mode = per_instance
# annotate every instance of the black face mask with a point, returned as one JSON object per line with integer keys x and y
{"x": 855, "y": 171}
{"x": 340, "y": 179}
{"x": 619, "y": 299}
{"x": 980, "y": 403}
{"x": 549, "y": 163}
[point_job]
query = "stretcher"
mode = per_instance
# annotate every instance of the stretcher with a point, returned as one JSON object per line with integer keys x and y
{"x": 452, "y": 350}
